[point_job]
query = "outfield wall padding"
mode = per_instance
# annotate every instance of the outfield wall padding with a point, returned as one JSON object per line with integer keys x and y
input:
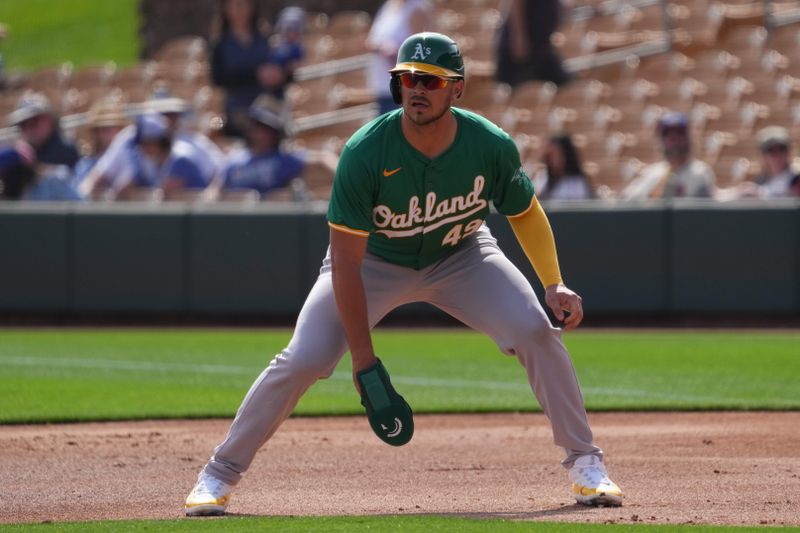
{"x": 617, "y": 260}
{"x": 742, "y": 259}
{"x": 35, "y": 260}
{"x": 246, "y": 263}
{"x": 127, "y": 261}
{"x": 260, "y": 261}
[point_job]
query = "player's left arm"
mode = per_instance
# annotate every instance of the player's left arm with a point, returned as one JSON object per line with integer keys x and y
{"x": 514, "y": 197}
{"x": 533, "y": 231}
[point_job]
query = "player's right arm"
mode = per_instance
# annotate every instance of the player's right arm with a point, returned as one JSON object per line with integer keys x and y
{"x": 350, "y": 221}
{"x": 347, "y": 253}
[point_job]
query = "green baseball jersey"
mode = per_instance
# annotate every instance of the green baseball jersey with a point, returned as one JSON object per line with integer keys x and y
{"x": 416, "y": 210}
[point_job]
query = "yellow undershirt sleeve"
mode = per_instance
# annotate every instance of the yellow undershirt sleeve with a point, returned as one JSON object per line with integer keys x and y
{"x": 536, "y": 238}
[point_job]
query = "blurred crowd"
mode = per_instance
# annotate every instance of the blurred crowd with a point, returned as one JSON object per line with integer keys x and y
{"x": 156, "y": 153}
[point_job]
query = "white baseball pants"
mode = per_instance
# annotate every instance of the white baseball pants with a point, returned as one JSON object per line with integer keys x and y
{"x": 477, "y": 285}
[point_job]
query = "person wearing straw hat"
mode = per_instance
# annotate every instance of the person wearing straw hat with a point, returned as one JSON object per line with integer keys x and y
{"x": 105, "y": 120}
{"x": 121, "y": 164}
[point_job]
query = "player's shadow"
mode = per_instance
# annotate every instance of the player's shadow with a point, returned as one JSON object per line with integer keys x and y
{"x": 506, "y": 515}
{"x": 526, "y": 515}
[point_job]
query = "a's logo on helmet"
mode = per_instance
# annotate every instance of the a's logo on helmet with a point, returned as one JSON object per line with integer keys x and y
{"x": 421, "y": 53}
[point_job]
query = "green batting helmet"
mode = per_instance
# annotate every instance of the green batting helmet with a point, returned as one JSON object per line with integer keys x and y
{"x": 431, "y": 53}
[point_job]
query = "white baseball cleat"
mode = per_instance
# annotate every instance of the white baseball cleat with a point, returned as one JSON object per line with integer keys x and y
{"x": 209, "y": 497}
{"x": 591, "y": 484}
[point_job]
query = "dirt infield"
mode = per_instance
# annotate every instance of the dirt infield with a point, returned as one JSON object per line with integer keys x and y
{"x": 709, "y": 468}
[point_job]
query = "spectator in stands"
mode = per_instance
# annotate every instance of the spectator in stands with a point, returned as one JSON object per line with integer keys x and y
{"x": 286, "y": 44}
{"x": 40, "y": 128}
{"x": 121, "y": 163}
{"x": 778, "y": 178}
{"x": 177, "y": 112}
{"x": 106, "y": 120}
{"x": 394, "y": 21}
{"x": 23, "y": 178}
{"x": 562, "y": 176}
{"x": 679, "y": 174}
{"x": 241, "y": 62}
{"x": 175, "y": 170}
{"x": 524, "y": 50}
{"x": 266, "y": 167}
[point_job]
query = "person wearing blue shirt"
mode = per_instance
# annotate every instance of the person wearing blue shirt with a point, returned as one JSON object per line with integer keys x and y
{"x": 161, "y": 163}
{"x": 22, "y": 178}
{"x": 264, "y": 172}
{"x": 265, "y": 167}
{"x": 121, "y": 162}
{"x": 53, "y": 185}
{"x": 286, "y": 45}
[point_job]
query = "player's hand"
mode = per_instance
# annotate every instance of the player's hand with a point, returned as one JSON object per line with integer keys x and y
{"x": 566, "y": 305}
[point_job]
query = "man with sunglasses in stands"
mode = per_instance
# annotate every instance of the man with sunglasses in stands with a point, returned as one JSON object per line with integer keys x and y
{"x": 406, "y": 217}
{"x": 778, "y": 178}
{"x": 679, "y": 174}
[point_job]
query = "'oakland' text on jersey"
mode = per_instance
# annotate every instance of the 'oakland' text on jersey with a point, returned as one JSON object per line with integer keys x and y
{"x": 416, "y": 210}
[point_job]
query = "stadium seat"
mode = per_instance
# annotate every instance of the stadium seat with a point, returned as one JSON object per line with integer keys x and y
{"x": 734, "y": 169}
{"x": 787, "y": 40}
{"x": 90, "y": 77}
{"x": 727, "y": 70}
{"x": 182, "y": 49}
{"x": 49, "y": 78}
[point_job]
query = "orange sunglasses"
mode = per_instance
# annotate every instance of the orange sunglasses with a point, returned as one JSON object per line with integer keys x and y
{"x": 429, "y": 81}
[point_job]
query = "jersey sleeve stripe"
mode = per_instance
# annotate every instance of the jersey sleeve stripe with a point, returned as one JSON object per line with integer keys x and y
{"x": 351, "y": 231}
{"x": 533, "y": 202}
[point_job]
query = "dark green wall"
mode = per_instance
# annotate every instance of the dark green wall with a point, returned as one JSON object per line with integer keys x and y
{"x": 245, "y": 263}
{"x": 735, "y": 260}
{"x": 127, "y": 262}
{"x": 616, "y": 260}
{"x": 223, "y": 260}
{"x": 35, "y": 260}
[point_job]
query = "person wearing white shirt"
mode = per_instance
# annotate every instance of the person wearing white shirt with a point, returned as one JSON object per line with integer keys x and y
{"x": 562, "y": 176}
{"x": 779, "y": 179}
{"x": 121, "y": 162}
{"x": 679, "y": 175}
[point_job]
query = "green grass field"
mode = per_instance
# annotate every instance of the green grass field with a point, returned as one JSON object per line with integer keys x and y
{"x": 45, "y": 33}
{"x": 56, "y": 375}
{"x": 70, "y": 375}
{"x": 405, "y": 524}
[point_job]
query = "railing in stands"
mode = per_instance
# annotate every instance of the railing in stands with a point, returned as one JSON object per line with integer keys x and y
{"x": 334, "y": 66}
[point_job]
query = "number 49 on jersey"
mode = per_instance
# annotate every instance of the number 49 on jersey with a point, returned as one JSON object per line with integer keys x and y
{"x": 459, "y": 232}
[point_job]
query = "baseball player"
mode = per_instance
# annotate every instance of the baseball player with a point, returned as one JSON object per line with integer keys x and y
{"x": 406, "y": 217}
